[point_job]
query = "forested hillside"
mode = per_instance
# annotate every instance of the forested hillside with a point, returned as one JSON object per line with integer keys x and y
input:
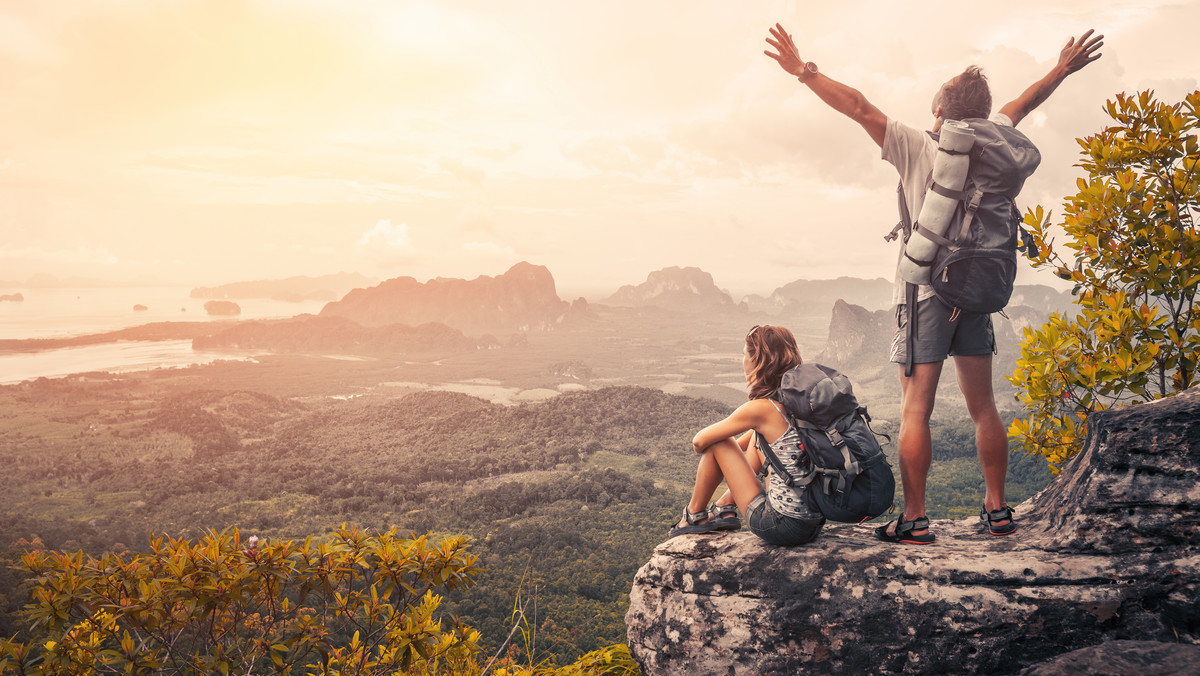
{"x": 564, "y": 499}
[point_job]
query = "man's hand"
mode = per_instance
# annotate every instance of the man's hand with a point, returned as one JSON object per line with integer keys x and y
{"x": 1076, "y": 55}
{"x": 846, "y": 100}
{"x": 787, "y": 56}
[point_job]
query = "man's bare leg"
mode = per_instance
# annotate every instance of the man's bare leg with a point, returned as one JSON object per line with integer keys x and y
{"x": 918, "y": 393}
{"x": 991, "y": 439}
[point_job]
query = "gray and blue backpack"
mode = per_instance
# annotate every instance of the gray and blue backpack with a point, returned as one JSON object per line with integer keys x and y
{"x": 846, "y": 476}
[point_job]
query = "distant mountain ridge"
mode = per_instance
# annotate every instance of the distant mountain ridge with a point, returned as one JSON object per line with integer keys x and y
{"x": 521, "y": 299}
{"x": 817, "y": 296}
{"x": 687, "y": 288}
{"x": 292, "y": 289}
{"x": 1041, "y": 297}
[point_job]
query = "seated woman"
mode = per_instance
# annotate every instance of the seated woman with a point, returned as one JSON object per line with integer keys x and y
{"x": 728, "y": 451}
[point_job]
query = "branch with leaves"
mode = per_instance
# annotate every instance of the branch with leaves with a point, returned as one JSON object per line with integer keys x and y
{"x": 1134, "y": 259}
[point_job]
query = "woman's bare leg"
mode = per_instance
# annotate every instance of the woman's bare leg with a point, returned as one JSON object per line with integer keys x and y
{"x": 755, "y": 460}
{"x": 724, "y": 460}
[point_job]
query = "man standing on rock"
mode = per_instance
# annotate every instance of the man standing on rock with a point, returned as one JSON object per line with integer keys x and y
{"x": 966, "y": 336}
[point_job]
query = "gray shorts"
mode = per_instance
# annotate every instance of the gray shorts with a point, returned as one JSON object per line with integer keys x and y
{"x": 942, "y": 331}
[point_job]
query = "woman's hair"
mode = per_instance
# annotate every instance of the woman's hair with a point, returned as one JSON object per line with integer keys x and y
{"x": 772, "y": 351}
{"x": 967, "y": 95}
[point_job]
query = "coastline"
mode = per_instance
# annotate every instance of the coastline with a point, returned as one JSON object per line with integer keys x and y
{"x": 155, "y": 331}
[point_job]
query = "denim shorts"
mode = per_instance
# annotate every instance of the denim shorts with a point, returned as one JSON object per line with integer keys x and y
{"x": 780, "y": 529}
{"x": 942, "y": 331}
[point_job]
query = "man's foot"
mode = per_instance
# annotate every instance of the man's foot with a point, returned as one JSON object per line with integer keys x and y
{"x": 998, "y": 521}
{"x": 915, "y": 532}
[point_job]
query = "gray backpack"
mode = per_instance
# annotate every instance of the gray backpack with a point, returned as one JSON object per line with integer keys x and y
{"x": 845, "y": 476}
{"x": 976, "y": 261}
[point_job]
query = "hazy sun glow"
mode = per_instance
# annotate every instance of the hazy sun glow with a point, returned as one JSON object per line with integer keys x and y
{"x": 183, "y": 141}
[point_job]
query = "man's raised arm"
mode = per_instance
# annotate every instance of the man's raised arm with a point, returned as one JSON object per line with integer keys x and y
{"x": 846, "y": 100}
{"x": 1074, "y": 56}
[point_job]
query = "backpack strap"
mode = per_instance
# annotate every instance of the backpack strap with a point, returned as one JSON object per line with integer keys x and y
{"x": 972, "y": 207}
{"x": 786, "y": 419}
{"x": 850, "y": 467}
{"x": 862, "y": 410}
{"x": 933, "y": 237}
{"x": 768, "y": 453}
{"x": 957, "y": 195}
{"x": 910, "y": 330}
{"x": 777, "y": 465}
{"x": 905, "y": 223}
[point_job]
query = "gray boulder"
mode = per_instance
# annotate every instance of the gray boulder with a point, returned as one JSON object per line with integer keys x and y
{"x": 1123, "y": 658}
{"x": 1108, "y": 551}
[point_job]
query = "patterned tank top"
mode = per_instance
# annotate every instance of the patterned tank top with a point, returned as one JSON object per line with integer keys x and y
{"x": 790, "y": 450}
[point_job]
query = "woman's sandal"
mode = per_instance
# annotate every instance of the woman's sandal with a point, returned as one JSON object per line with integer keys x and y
{"x": 904, "y": 531}
{"x": 697, "y": 522}
{"x": 726, "y": 517}
{"x": 990, "y": 517}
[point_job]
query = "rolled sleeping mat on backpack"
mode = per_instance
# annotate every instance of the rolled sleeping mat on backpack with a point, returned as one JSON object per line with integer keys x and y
{"x": 949, "y": 174}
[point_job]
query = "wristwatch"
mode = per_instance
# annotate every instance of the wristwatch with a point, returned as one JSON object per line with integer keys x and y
{"x": 810, "y": 71}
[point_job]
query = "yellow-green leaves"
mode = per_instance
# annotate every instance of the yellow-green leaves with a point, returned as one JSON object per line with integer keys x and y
{"x": 358, "y": 603}
{"x": 361, "y": 603}
{"x": 1135, "y": 260}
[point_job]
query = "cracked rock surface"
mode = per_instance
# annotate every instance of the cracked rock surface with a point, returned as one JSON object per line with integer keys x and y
{"x": 1107, "y": 552}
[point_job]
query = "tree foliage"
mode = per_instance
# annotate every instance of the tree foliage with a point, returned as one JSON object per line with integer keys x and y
{"x": 1135, "y": 262}
{"x": 567, "y": 496}
{"x": 360, "y": 603}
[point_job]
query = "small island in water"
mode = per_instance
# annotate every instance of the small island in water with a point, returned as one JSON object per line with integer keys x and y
{"x": 222, "y": 308}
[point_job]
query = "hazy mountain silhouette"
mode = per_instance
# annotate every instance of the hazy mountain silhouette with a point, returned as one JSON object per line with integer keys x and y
{"x": 325, "y": 287}
{"x": 856, "y": 334}
{"x": 674, "y": 288}
{"x": 817, "y": 296}
{"x": 521, "y": 299}
{"x": 1041, "y": 297}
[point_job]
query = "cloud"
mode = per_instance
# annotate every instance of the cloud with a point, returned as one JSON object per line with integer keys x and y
{"x": 385, "y": 233}
{"x": 489, "y": 249}
{"x": 462, "y": 171}
{"x": 79, "y": 255}
{"x": 498, "y": 153}
{"x": 501, "y": 128}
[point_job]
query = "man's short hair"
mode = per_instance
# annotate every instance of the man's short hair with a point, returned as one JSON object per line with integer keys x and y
{"x": 967, "y": 95}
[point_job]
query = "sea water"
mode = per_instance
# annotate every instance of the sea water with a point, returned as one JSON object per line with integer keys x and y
{"x": 62, "y": 313}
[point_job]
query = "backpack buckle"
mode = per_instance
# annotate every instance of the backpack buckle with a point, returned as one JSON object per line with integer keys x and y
{"x": 835, "y": 437}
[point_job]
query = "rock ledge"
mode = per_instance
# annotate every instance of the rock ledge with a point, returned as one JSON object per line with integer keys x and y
{"x": 1106, "y": 552}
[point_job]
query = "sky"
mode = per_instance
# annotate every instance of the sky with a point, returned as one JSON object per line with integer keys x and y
{"x": 211, "y": 141}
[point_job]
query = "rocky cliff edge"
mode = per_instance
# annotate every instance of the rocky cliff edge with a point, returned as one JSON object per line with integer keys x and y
{"x": 1107, "y": 552}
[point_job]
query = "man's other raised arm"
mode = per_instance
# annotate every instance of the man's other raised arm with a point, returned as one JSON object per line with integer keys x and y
{"x": 846, "y": 100}
{"x": 1076, "y": 55}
